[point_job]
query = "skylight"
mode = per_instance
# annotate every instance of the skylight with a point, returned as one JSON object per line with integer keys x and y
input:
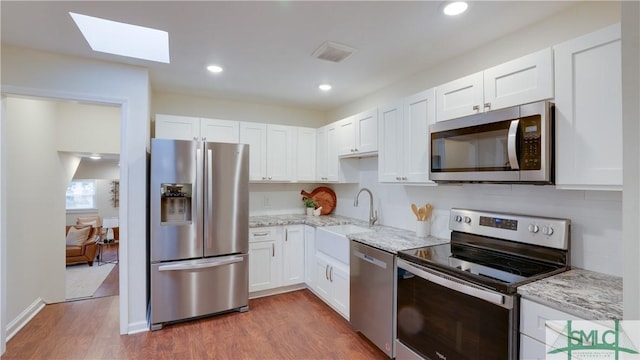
{"x": 118, "y": 38}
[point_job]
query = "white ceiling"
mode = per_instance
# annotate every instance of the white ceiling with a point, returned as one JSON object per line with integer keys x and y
{"x": 266, "y": 46}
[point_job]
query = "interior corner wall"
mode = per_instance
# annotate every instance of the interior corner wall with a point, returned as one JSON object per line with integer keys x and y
{"x": 35, "y": 199}
{"x": 3, "y": 227}
{"x": 38, "y": 73}
{"x": 631, "y": 157}
{"x": 584, "y": 17}
{"x": 207, "y": 107}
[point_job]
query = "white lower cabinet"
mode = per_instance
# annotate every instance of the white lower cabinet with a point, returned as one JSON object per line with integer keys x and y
{"x": 309, "y": 256}
{"x": 264, "y": 258}
{"x": 332, "y": 283}
{"x": 293, "y": 255}
{"x": 533, "y": 317}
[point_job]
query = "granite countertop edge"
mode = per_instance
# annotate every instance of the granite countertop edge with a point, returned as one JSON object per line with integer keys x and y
{"x": 382, "y": 237}
{"x": 583, "y": 293}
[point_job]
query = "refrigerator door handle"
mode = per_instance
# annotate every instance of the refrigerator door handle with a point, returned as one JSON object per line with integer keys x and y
{"x": 200, "y": 265}
{"x": 207, "y": 197}
{"x": 198, "y": 189}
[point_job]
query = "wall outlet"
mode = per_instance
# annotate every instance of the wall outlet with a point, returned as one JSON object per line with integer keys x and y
{"x": 266, "y": 201}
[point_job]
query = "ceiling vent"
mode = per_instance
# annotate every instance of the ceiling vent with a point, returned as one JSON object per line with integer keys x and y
{"x": 333, "y": 52}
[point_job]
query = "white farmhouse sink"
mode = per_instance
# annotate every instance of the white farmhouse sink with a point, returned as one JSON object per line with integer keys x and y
{"x": 346, "y": 229}
{"x": 332, "y": 240}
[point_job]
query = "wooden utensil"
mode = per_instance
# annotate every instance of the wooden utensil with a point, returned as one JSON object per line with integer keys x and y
{"x": 414, "y": 208}
{"x": 421, "y": 213}
{"x": 428, "y": 211}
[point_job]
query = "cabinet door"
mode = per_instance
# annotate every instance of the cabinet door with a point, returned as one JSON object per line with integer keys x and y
{"x": 419, "y": 113}
{"x": 321, "y": 154}
{"x": 225, "y": 131}
{"x": 280, "y": 152}
{"x": 366, "y": 139}
{"x": 305, "y": 154}
{"x": 346, "y": 136}
{"x": 255, "y": 135}
{"x": 293, "y": 255}
{"x": 263, "y": 267}
{"x": 391, "y": 151}
{"x": 531, "y": 349}
{"x": 589, "y": 111}
{"x": 520, "y": 81}
{"x": 333, "y": 166}
{"x": 310, "y": 255}
{"x": 460, "y": 97}
{"x": 323, "y": 285}
{"x": 177, "y": 127}
{"x": 339, "y": 278}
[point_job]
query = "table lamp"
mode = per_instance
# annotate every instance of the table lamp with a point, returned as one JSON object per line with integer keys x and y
{"x": 109, "y": 224}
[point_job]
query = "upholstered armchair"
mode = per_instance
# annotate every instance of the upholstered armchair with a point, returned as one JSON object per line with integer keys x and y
{"x": 81, "y": 243}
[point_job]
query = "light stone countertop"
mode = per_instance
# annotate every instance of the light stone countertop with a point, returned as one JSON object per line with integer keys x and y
{"x": 583, "y": 293}
{"x": 385, "y": 238}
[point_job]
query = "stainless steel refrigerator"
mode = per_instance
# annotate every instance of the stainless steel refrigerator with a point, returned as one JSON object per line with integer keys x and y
{"x": 199, "y": 243}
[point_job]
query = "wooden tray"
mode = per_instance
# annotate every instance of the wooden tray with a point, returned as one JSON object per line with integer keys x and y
{"x": 324, "y": 196}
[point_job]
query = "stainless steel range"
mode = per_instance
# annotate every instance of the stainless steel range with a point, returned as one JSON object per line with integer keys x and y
{"x": 459, "y": 300}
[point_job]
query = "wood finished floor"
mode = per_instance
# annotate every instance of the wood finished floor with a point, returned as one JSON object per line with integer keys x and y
{"x": 295, "y": 325}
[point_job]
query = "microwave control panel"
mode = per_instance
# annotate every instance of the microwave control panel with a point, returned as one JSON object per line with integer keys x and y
{"x": 531, "y": 143}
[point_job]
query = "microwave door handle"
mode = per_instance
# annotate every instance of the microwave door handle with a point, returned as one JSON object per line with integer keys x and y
{"x": 512, "y": 140}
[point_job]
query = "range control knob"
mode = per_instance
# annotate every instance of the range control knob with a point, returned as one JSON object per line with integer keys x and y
{"x": 534, "y": 228}
{"x": 467, "y": 220}
{"x": 458, "y": 218}
{"x": 547, "y": 230}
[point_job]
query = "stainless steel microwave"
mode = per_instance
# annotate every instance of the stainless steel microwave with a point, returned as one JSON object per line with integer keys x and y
{"x": 512, "y": 145}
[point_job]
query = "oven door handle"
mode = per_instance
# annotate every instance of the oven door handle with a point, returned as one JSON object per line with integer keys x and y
{"x": 453, "y": 285}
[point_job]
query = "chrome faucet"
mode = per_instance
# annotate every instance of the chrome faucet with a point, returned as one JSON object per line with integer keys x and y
{"x": 372, "y": 217}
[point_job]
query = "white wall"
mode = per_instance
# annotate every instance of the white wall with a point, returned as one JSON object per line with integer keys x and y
{"x": 30, "y": 72}
{"x": 35, "y": 224}
{"x": 277, "y": 199}
{"x": 596, "y": 233}
{"x": 188, "y": 105}
{"x": 88, "y": 128}
{"x": 631, "y": 126}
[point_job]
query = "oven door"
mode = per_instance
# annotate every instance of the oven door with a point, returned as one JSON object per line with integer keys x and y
{"x": 440, "y": 317}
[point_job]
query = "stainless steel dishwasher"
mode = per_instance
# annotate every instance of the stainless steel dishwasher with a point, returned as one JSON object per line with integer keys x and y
{"x": 372, "y": 295}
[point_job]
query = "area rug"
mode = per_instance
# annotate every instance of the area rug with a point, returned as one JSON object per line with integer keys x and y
{"x": 84, "y": 280}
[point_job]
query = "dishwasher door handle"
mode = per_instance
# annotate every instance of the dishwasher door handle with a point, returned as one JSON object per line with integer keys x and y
{"x": 370, "y": 259}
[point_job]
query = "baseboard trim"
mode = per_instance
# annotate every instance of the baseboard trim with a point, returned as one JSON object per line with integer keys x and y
{"x": 276, "y": 291}
{"x": 23, "y": 319}
{"x": 137, "y": 327}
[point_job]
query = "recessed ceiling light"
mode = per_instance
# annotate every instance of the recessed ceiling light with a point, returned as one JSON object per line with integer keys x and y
{"x": 214, "y": 68}
{"x": 455, "y": 8}
{"x": 95, "y": 157}
{"x": 324, "y": 87}
{"x": 123, "y": 39}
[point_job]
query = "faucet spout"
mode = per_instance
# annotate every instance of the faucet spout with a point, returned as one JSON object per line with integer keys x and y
{"x": 372, "y": 217}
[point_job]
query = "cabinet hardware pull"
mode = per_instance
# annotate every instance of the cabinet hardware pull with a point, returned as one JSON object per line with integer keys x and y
{"x": 286, "y": 234}
{"x": 487, "y": 105}
{"x": 331, "y": 274}
{"x": 195, "y": 138}
{"x": 273, "y": 250}
{"x": 476, "y": 107}
{"x": 326, "y": 272}
{"x": 270, "y": 178}
{"x": 264, "y": 178}
{"x": 261, "y": 234}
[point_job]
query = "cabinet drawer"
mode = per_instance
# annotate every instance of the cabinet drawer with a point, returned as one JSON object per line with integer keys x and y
{"x": 270, "y": 233}
{"x": 533, "y": 317}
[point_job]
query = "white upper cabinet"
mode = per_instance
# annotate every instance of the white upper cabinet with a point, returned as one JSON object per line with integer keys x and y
{"x": 358, "y": 134}
{"x": 224, "y": 131}
{"x": 588, "y": 100}
{"x": 191, "y": 128}
{"x": 520, "y": 81}
{"x": 460, "y": 97}
{"x": 306, "y": 154}
{"x": 271, "y": 151}
{"x": 321, "y": 154}
{"x": 404, "y": 139}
